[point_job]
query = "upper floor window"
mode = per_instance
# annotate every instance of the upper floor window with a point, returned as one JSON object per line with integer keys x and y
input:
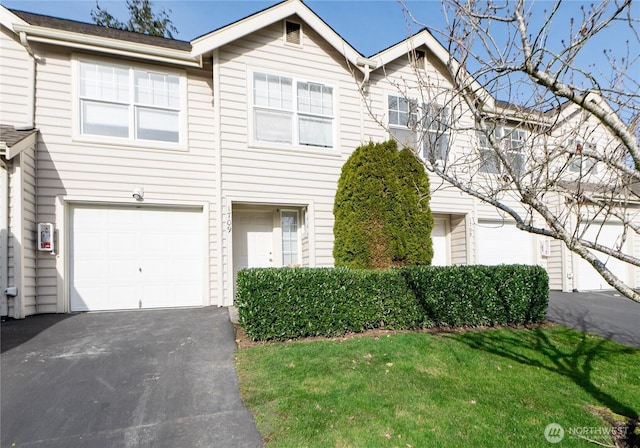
{"x": 424, "y": 129}
{"x": 436, "y": 123}
{"x": 512, "y": 144}
{"x": 126, "y": 102}
{"x": 580, "y": 163}
{"x": 291, "y": 111}
{"x": 489, "y": 160}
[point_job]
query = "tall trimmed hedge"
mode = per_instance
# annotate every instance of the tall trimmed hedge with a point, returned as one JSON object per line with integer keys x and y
{"x": 287, "y": 303}
{"x": 381, "y": 210}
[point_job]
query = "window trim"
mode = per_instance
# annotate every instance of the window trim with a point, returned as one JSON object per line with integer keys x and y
{"x": 504, "y": 134}
{"x": 582, "y": 168}
{"x": 295, "y": 114}
{"x": 421, "y": 133}
{"x": 298, "y": 238}
{"x": 132, "y": 106}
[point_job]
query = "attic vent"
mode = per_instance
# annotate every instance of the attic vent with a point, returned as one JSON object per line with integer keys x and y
{"x": 420, "y": 58}
{"x": 293, "y": 33}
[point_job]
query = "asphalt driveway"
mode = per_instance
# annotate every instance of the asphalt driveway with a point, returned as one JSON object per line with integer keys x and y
{"x": 163, "y": 378}
{"x": 605, "y": 313}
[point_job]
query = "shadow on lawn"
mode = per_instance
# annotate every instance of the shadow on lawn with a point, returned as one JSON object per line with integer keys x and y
{"x": 569, "y": 356}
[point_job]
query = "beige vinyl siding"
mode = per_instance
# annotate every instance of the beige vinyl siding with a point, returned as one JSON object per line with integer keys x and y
{"x": 22, "y": 233}
{"x": 14, "y": 80}
{"x": 29, "y": 233}
{"x": 13, "y": 249}
{"x": 305, "y": 250}
{"x": 90, "y": 171}
{"x": 384, "y": 82}
{"x": 554, "y": 265}
{"x": 288, "y": 174}
{"x": 459, "y": 240}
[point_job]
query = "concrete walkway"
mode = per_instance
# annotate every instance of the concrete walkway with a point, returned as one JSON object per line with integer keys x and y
{"x": 605, "y": 313}
{"x": 163, "y": 378}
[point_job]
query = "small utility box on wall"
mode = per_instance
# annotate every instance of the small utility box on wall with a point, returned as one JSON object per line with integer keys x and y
{"x": 45, "y": 237}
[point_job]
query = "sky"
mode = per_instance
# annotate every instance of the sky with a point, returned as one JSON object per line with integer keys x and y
{"x": 368, "y": 25}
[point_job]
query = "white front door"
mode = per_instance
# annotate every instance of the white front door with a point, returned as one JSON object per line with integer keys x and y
{"x": 252, "y": 240}
{"x": 440, "y": 242}
{"x": 128, "y": 258}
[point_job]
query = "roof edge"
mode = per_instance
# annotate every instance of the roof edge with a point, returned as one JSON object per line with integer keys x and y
{"x": 104, "y": 44}
{"x": 269, "y": 16}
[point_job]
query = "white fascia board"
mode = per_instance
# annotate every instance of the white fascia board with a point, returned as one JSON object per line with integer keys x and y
{"x": 11, "y": 152}
{"x": 425, "y": 38}
{"x": 8, "y": 19}
{"x": 238, "y": 30}
{"x": 528, "y": 117}
{"x": 107, "y": 45}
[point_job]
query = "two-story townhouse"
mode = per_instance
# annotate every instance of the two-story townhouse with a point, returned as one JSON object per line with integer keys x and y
{"x": 164, "y": 166}
{"x": 601, "y": 205}
{"x": 411, "y": 78}
{"x": 116, "y": 114}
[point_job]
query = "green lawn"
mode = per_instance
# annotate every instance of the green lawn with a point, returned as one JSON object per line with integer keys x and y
{"x": 493, "y": 388}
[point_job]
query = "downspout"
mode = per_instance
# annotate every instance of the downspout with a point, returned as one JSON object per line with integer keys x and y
{"x": 31, "y": 93}
{"x": 4, "y": 233}
{"x": 367, "y": 66}
{"x": 365, "y": 80}
{"x": 30, "y": 124}
{"x": 217, "y": 144}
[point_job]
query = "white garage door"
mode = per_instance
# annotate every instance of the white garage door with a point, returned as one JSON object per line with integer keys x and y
{"x": 587, "y": 278}
{"x": 503, "y": 243}
{"x": 128, "y": 258}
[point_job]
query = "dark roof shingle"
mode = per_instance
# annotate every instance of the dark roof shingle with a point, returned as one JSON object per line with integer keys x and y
{"x": 10, "y": 136}
{"x": 101, "y": 31}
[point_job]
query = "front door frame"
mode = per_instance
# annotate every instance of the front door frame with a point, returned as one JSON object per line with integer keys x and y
{"x": 262, "y": 204}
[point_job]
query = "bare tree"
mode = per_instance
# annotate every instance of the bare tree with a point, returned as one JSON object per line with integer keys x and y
{"x": 560, "y": 155}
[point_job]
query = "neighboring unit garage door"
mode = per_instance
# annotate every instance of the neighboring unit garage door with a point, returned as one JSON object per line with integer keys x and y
{"x": 128, "y": 258}
{"x": 503, "y": 243}
{"x": 587, "y": 278}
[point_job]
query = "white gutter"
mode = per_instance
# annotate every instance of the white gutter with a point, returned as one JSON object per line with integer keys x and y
{"x": 108, "y": 45}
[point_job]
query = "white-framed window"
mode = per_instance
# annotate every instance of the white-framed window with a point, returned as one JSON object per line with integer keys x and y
{"x": 436, "y": 125}
{"x": 290, "y": 243}
{"x": 489, "y": 161}
{"x": 424, "y": 128}
{"x": 582, "y": 164}
{"x": 127, "y": 102}
{"x": 512, "y": 143}
{"x": 304, "y": 226}
{"x": 292, "y": 111}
